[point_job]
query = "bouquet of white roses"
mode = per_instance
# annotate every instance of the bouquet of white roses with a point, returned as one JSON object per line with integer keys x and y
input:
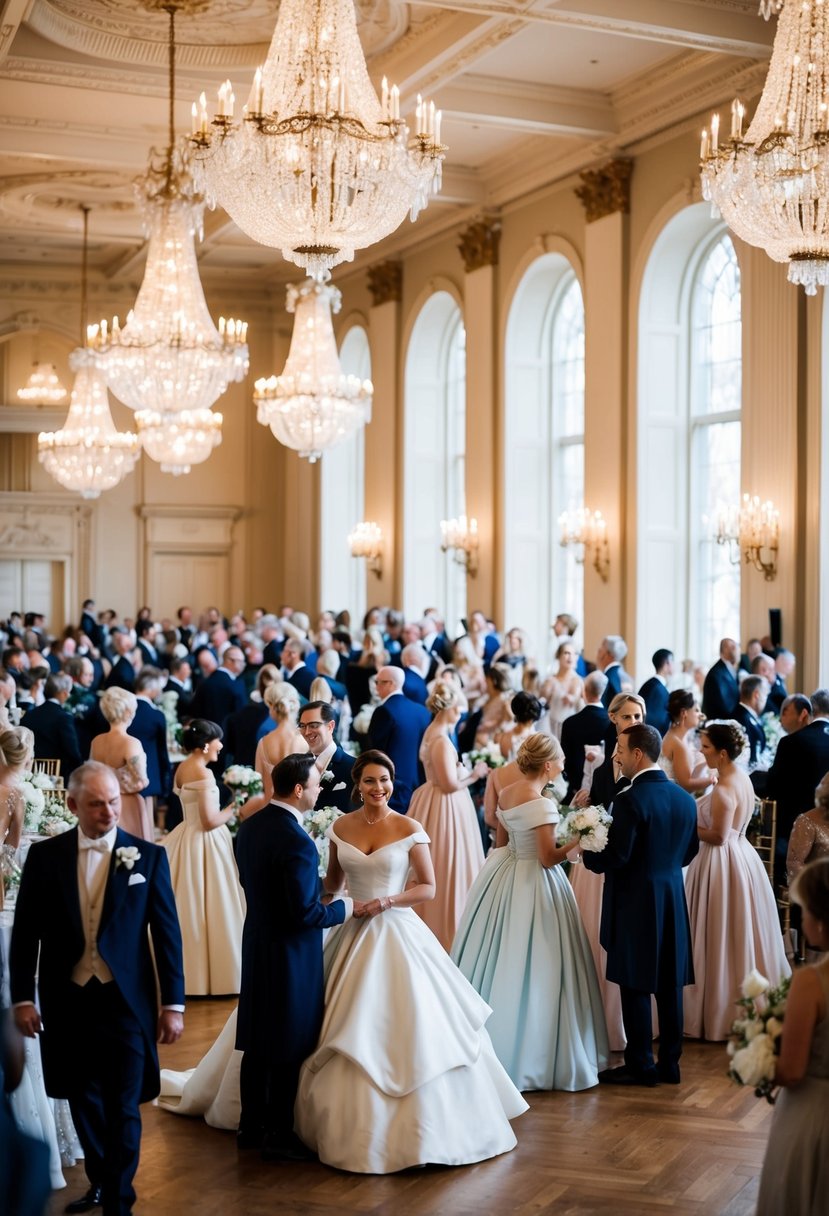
{"x": 316, "y": 824}
{"x": 244, "y": 782}
{"x": 34, "y": 797}
{"x": 491, "y": 756}
{"x": 587, "y": 827}
{"x": 167, "y": 702}
{"x": 57, "y": 818}
{"x": 755, "y": 1037}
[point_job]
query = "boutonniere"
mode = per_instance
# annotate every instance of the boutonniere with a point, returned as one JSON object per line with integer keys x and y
{"x": 326, "y": 777}
{"x": 127, "y": 856}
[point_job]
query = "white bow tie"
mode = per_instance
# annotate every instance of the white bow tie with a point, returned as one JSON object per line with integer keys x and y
{"x": 101, "y": 845}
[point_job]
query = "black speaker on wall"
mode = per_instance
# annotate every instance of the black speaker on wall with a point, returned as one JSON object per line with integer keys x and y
{"x": 776, "y": 626}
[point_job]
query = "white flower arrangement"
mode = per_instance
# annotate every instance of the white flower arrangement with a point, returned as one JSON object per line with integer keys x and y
{"x": 755, "y": 1037}
{"x": 316, "y": 824}
{"x": 490, "y": 754}
{"x": 34, "y": 801}
{"x": 587, "y": 827}
{"x": 127, "y": 856}
{"x": 57, "y": 818}
{"x": 167, "y": 702}
{"x": 774, "y": 732}
{"x": 244, "y": 782}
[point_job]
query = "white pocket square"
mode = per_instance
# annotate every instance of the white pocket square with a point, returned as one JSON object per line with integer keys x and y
{"x": 134, "y": 879}
{"x": 341, "y": 786}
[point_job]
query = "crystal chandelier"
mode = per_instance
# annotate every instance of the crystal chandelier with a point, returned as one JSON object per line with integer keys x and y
{"x": 771, "y": 184}
{"x": 43, "y": 386}
{"x": 178, "y": 439}
{"x": 313, "y": 404}
{"x": 169, "y": 356}
{"x": 318, "y": 166}
{"x": 87, "y": 455}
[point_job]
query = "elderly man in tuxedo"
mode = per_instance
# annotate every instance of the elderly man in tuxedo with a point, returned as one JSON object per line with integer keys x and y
{"x": 720, "y": 691}
{"x": 122, "y": 674}
{"x": 754, "y": 691}
{"x": 644, "y": 926}
{"x": 54, "y": 727}
{"x": 87, "y": 900}
{"x": 396, "y": 728}
{"x": 222, "y": 693}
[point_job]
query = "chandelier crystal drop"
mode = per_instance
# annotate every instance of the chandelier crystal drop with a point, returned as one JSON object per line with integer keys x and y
{"x": 319, "y": 166}
{"x": 313, "y": 405}
{"x": 169, "y": 355}
{"x": 178, "y": 439}
{"x": 771, "y": 184}
{"x": 43, "y": 386}
{"x": 88, "y": 455}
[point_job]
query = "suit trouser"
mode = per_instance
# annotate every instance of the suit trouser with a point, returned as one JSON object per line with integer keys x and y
{"x": 268, "y": 1090}
{"x": 104, "y": 1100}
{"x": 638, "y": 1023}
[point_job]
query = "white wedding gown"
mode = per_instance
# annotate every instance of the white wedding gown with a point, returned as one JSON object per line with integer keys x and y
{"x": 404, "y": 1073}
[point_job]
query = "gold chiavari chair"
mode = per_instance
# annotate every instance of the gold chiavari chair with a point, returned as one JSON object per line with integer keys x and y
{"x": 764, "y": 833}
{"x": 50, "y": 768}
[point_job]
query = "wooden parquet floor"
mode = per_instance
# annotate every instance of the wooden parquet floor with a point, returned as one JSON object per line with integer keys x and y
{"x": 696, "y": 1149}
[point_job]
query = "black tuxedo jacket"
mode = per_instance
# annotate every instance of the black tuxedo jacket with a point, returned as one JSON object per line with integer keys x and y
{"x": 397, "y": 728}
{"x": 589, "y": 726}
{"x": 242, "y": 733}
{"x": 217, "y": 697}
{"x": 655, "y": 695}
{"x": 340, "y": 766}
{"x": 47, "y": 923}
{"x": 91, "y": 628}
{"x": 302, "y": 679}
{"x": 122, "y": 675}
{"x": 149, "y": 727}
{"x": 754, "y": 731}
{"x": 55, "y": 736}
{"x": 644, "y": 926}
{"x": 720, "y": 692}
{"x": 777, "y": 695}
{"x": 184, "y": 697}
{"x": 801, "y": 761}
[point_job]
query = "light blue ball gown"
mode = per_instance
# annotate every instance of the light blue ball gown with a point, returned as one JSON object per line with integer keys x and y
{"x": 522, "y": 945}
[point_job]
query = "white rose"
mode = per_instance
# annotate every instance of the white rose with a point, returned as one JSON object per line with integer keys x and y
{"x": 755, "y": 1063}
{"x": 731, "y": 1047}
{"x": 754, "y": 985}
{"x": 752, "y": 1030}
{"x": 774, "y": 1027}
{"x": 595, "y": 841}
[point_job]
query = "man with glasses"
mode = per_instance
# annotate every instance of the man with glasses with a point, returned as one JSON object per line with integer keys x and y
{"x": 316, "y": 724}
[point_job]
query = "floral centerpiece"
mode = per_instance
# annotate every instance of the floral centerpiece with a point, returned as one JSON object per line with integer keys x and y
{"x": 587, "y": 827}
{"x": 57, "y": 818}
{"x": 34, "y": 789}
{"x": 316, "y": 824}
{"x": 773, "y": 732}
{"x": 754, "y": 1043}
{"x": 490, "y": 754}
{"x": 168, "y": 704}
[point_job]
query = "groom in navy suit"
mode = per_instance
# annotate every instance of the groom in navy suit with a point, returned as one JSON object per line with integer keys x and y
{"x": 281, "y": 997}
{"x": 86, "y": 902}
{"x": 644, "y": 926}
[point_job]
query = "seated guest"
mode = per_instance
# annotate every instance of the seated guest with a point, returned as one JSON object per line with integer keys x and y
{"x": 754, "y": 692}
{"x": 654, "y": 692}
{"x": 54, "y": 728}
{"x": 720, "y": 692}
{"x": 795, "y": 713}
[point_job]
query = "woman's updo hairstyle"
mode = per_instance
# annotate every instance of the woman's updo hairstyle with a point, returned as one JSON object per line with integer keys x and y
{"x": 444, "y": 695}
{"x": 538, "y": 750}
{"x": 728, "y": 737}
{"x": 526, "y": 708}
{"x": 622, "y": 698}
{"x": 118, "y": 705}
{"x": 198, "y": 733}
{"x": 17, "y": 746}
{"x": 372, "y": 756}
{"x": 501, "y": 676}
{"x": 283, "y": 699}
{"x": 811, "y": 889}
{"x": 680, "y": 699}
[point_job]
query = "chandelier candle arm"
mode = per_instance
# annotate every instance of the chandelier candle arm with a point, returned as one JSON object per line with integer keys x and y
{"x": 588, "y": 529}
{"x": 460, "y": 538}
{"x": 319, "y": 166}
{"x": 771, "y": 183}
{"x": 752, "y": 532}
{"x": 366, "y": 541}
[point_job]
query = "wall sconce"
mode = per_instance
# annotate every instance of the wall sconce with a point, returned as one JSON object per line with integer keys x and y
{"x": 367, "y": 541}
{"x": 748, "y": 530}
{"x": 588, "y": 529}
{"x": 461, "y": 537}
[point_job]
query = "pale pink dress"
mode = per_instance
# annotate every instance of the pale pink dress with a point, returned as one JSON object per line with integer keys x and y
{"x": 457, "y": 853}
{"x": 136, "y": 811}
{"x": 588, "y": 889}
{"x": 734, "y": 928}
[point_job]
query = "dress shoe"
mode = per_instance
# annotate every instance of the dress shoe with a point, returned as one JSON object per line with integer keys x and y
{"x": 247, "y": 1139}
{"x": 288, "y": 1148}
{"x": 667, "y": 1076}
{"x": 623, "y": 1076}
{"x": 87, "y": 1202}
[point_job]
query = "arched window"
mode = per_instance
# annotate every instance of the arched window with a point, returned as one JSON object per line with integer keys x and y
{"x": 688, "y": 451}
{"x": 342, "y": 577}
{"x": 435, "y": 453}
{"x": 543, "y": 448}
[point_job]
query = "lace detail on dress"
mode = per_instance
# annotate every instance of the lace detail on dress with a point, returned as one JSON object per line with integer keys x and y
{"x": 132, "y": 774}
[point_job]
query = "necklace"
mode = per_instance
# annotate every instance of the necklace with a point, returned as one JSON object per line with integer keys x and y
{"x": 379, "y": 819}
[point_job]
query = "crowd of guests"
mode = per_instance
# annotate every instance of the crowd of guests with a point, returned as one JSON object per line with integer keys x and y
{"x": 466, "y": 738}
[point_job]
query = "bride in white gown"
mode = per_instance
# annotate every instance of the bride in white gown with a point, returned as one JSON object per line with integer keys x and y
{"x": 404, "y": 1073}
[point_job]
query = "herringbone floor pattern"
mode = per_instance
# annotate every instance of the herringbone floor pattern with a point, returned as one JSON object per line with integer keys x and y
{"x": 696, "y": 1148}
